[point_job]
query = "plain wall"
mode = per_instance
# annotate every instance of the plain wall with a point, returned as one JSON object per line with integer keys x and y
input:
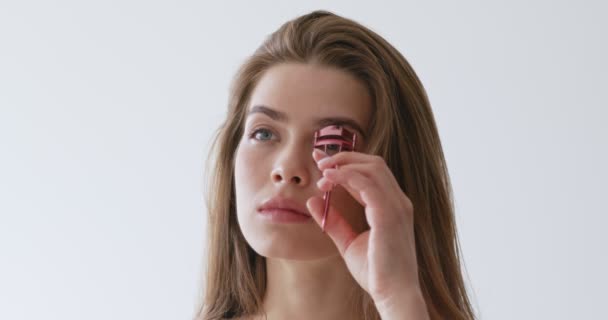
{"x": 107, "y": 109}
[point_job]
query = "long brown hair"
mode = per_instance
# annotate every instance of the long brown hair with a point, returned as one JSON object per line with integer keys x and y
{"x": 402, "y": 131}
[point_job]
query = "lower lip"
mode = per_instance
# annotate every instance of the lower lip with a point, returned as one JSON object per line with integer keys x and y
{"x": 284, "y": 216}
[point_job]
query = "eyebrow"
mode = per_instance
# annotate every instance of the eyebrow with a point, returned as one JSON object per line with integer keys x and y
{"x": 320, "y": 122}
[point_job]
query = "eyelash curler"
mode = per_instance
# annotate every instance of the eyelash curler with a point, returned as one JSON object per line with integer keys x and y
{"x": 333, "y": 139}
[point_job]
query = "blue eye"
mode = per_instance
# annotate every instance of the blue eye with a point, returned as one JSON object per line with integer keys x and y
{"x": 263, "y": 132}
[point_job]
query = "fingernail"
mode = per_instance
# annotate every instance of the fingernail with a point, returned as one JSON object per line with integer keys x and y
{"x": 321, "y": 161}
{"x": 320, "y": 153}
{"x": 320, "y": 183}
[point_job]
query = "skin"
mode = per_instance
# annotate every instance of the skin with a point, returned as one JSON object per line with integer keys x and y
{"x": 369, "y": 240}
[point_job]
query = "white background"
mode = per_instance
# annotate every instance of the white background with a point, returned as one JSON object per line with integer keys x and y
{"x": 107, "y": 109}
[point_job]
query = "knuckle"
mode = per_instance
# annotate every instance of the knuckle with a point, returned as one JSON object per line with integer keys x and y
{"x": 409, "y": 206}
{"x": 378, "y": 158}
{"x": 378, "y": 161}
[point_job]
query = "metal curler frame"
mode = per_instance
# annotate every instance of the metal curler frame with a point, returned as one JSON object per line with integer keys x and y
{"x": 327, "y": 137}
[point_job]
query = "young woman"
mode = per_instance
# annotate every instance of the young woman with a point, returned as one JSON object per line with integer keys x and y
{"x": 389, "y": 249}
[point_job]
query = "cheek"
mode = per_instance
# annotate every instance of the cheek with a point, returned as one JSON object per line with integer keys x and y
{"x": 250, "y": 179}
{"x": 248, "y": 168}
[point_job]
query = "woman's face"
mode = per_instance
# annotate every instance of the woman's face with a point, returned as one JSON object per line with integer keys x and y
{"x": 274, "y": 156}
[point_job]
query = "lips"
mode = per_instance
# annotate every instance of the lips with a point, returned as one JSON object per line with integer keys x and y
{"x": 281, "y": 203}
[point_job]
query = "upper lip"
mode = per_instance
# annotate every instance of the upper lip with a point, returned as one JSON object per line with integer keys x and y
{"x": 285, "y": 204}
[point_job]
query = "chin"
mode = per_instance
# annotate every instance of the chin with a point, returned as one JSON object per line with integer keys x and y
{"x": 290, "y": 242}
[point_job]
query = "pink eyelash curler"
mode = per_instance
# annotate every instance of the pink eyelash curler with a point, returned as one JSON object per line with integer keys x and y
{"x": 333, "y": 139}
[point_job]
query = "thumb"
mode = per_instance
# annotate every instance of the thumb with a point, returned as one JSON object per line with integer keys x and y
{"x": 338, "y": 229}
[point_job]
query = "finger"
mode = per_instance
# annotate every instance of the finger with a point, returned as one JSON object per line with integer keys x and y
{"x": 382, "y": 176}
{"x": 374, "y": 168}
{"x": 354, "y": 180}
{"x": 381, "y": 179}
{"x": 346, "y": 157}
{"x": 324, "y": 184}
{"x": 318, "y": 154}
{"x": 379, "y": 169}
{"x": 366, "y": 191}
{"x": 338, "y": 229}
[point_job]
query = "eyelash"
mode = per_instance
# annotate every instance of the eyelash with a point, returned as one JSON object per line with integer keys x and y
{"x": 255, "y": 131}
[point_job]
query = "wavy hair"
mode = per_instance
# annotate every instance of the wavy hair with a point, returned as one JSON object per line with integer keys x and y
{"x": 402, "y": 131}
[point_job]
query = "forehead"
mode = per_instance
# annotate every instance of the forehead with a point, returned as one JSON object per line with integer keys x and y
{"x": 305, "y": 92}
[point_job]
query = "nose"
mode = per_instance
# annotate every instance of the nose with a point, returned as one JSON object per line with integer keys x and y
{"x": 293, "y": 166}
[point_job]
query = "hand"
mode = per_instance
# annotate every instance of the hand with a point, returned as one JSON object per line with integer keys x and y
{"x": 382, "y": 259}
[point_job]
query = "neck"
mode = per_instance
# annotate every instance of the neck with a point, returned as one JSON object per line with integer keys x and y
{"x": 319, "y": 289}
